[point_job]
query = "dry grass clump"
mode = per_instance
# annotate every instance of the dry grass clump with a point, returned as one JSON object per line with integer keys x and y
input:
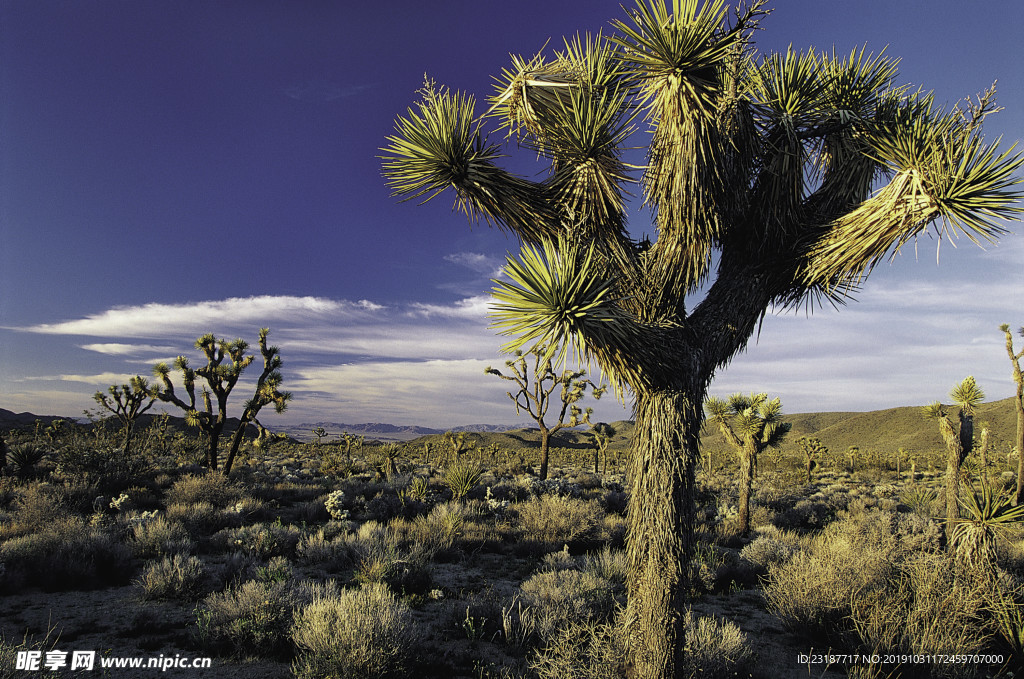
{"x": 212, "y": 487}
{"x": 201, "y": 518}
{"x": 173, "y": 577}
{"x": 157, "y": 537}
{"x": 766, "y": 551}
{"x": 35, "y": 507}
{"x": 555, "y": 599}
{"x": 379, "y": 559}
{"x": 353, "y": 634}
{"x": 65, "y": 555}
{"x": 583, "y": 650}
{"x": 250, "y": 619}
{"x": 813, "y": 591}
{"x": 715, "y": 647}
{"x": 932, "y": 606}
{"x": 263, "y": 541}
{"x": 558, "y": 519}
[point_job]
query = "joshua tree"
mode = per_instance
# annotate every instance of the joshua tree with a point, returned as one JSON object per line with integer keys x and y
{"x": 128, "y": 402}
{"x": 967, "y": 395}
{"x": 457, "y": 444}
{"x": 319, "y": 433}
{"x": 603, "y": 434}
{"x": 1018, "y": 402}
{"x": 221, "y": 378}
{"x": 813, "y": 450}
{"x": 751, "y": 424}
{"x": 800, "y": 171}
{"x": 534, "y": 395}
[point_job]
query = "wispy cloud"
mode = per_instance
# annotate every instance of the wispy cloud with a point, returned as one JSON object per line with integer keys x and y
{"x": 486, "y": 265}
{"x": 157, "y": 320}
{"x": 121, "y": 349}
{"x": 321, "y": 89}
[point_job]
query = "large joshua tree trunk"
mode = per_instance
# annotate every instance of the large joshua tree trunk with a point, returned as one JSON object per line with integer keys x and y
{"x": 659, "y": 533}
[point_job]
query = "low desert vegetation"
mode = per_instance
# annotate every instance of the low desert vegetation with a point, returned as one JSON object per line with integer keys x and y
{"x": 454, "y": 558}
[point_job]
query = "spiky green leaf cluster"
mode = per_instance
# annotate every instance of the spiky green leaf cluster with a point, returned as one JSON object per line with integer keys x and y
{"x": 803, "y": 169}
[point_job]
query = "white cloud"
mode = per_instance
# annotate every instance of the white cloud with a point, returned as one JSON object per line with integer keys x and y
{"x": 120, "y": 349}
{"x": 159, "y": 320}
{"x": 486, "y": 265}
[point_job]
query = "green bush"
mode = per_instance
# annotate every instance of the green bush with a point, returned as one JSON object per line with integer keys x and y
{"x": 173, "y": 577}
{"x": 360, "y": 633}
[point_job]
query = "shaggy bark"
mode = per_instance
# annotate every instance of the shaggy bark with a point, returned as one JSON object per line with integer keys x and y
{"x": 660, "y": 529}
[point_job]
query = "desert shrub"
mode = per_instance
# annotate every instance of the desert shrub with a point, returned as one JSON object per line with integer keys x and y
{"x": 156, "y": 537}
{"x": 765, "y": 552}
{"x": 715, "y": 648}
{"x": 200, "y": 518}
{"x": 813, "y": 591}
{"x": 249, "y": 619}
{"x": 805, "y": 515}
{"x": 262, "y": 540}
{"x": 354, "y": 634}
{"x": 608, "y": 564}
{"x": 554, "y": 599}
{"x": 933, "y": 606}
{"x": 320, "y": 549}
{"x": 586, "y": 650}
{"x": 558, "y": 519}
{"x": 35, "y": 508}
{"x": 65, "y": 555}
{"x": 384, "y": 506}
{"x": 213, "y": 488}
{"x": 173, "y": 577}
{"x": 379, "y": 559}
{"x": 919, "y": 534}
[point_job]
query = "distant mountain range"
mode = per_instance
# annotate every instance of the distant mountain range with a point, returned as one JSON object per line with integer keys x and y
{"x": 383, "y": 431}
{"x": 881, "y": 430}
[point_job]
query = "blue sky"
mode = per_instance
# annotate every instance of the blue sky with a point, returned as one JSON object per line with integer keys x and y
{"x": 169, "y": 169}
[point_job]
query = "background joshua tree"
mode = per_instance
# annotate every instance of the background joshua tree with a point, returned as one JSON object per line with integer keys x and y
{"x": 537, "y": 382}
{"x": 602, "y": 432}
{"x": 751, "y": 424}
{"x": 127, "y": 402}
{"x": 967, "y": 395}
{"x": 1018, "y": 402}
{"x": 221, "y": 378}
{"x": 801, "y": 171}
{"x": 813, "y": 450}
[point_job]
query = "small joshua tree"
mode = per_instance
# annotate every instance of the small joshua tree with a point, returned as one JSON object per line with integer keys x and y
{"x": 221, "y": 377}
{"x": 967, "y": 395}
{"x": 319, "y": 433}
{"x": 813, "y": 450}
{"x": 751, "y": 424}
{"x": 1018, "y": 402}
{"x": 128, "y": 402}
{"x": 602, "y": 432}
{"x": 534, "y": 394}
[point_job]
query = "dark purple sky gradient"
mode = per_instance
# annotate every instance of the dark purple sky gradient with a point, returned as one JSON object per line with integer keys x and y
{"x": 172, "y": 153}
